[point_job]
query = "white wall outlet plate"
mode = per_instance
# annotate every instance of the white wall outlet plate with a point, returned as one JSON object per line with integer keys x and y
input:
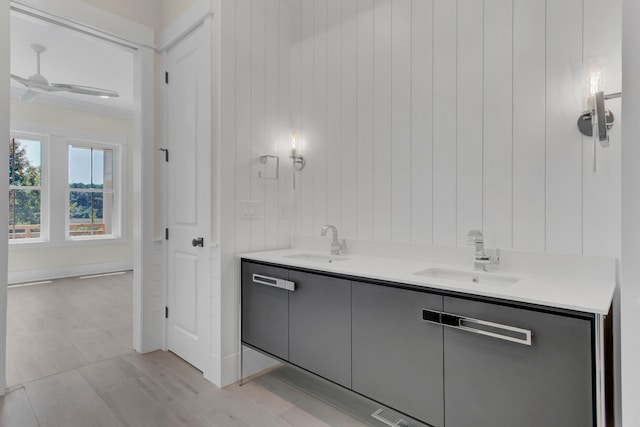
{"x": 250, "y": 209}
{"x": 283, "y": 211}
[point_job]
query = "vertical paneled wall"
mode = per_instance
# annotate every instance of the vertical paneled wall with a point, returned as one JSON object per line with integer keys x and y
{"x": 419, "y": 120}
{"x": 423, "y": 119}
{"x": 256, "y": 120}
{"x": 256, "y": 88}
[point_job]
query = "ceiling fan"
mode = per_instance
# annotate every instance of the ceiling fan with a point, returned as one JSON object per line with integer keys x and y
{"x": 37, "y": 84}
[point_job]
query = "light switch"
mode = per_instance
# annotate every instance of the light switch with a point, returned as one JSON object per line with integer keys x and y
{"x": 250, "y": 209}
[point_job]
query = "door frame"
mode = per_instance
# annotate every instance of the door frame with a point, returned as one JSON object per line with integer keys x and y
{"x": 4, "y": 171}
{"x": 100, "y": 23}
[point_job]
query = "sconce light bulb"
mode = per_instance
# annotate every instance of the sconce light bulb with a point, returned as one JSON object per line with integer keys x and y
{"x": 596, "y": 83}
{"x": 294, "y": 148}
{"x": 594, "y": 72}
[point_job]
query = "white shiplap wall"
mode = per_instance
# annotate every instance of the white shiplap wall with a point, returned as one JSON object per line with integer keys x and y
{"x": 256, "y": 118}
{"x": 419, "y": 120}
{"x": 256, "y": 87}
{"x": 423, "y": 119}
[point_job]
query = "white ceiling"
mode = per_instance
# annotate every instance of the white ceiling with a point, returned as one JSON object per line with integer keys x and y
{"x": 74, "y": 58}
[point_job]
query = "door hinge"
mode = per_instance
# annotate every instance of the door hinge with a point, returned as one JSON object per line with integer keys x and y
{"x": 166, "y": 77}
{"x": 166, "y": 312}
{"x": 166, "y": 153}
{"x": 166, "y": 234}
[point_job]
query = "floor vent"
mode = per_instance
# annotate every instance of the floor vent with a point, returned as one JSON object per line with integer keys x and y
{"x": 393, "y": 419}
{"x": 93, "y": 276}
{"x": 18, "y": 285}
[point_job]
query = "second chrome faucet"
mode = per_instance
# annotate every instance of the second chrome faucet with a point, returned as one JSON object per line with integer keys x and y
{"x": 480, "y": 259}
{"x": 337, "y": 246}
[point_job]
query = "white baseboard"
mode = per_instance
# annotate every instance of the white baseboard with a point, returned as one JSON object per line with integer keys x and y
{"x": 253, "y": 361}
{"x": 212, "y": 372}
{"x": 61, "y": 272}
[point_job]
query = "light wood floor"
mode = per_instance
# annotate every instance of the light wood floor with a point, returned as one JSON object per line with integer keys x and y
{"x": 70, "y": 364}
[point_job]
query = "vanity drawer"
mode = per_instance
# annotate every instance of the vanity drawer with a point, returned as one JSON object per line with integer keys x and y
{"x": 495, "y": 377}
{"x": 265, "y": 308}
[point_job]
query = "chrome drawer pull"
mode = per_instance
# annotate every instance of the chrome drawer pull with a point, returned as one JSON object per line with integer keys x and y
{"x": 524, "y": 340}
{"x": 274, "y": 282}
{"x": 460, "y": 322}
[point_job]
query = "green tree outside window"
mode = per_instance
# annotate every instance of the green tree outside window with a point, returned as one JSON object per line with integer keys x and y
{"x": 25, "y": 181}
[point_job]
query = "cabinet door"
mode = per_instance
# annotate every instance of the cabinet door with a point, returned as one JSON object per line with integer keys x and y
{"x": 397, "y": 357}
{"x": 491, "y": 382}
{"x": 265, "y": 315}
{"x": 320, "y": 326}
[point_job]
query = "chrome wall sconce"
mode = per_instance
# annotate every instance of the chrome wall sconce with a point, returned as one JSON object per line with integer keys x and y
{"x": 596, "y": 121}
{"x": 604, "y": 118}
{"x": 298, "y": 160}
{"x": 296, "y": 157}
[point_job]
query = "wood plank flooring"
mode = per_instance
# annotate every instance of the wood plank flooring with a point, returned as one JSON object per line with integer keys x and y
{"x": 70, "y": 364}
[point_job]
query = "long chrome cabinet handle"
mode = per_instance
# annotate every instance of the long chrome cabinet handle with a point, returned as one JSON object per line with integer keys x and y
{"x": 466, "y": 324}
{"x": 275, "y": 282}
{"x": 525, "y": 333}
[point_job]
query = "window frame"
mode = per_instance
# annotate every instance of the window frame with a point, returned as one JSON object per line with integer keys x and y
{"x": 44, "y": 187}
{"x": 117, "y": 225}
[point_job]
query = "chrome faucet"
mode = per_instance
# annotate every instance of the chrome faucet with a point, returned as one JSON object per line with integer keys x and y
{"x": 337, "y": 246}
{"x": 480, "y": 259}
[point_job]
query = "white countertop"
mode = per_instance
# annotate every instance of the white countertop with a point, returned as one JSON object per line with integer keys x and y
{"x": 592, "y": 294}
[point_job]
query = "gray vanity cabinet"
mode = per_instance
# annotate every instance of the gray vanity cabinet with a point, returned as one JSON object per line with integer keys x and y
{"x": 493, "y": 382}
{"x": 398, "y": 357}
{"x": 449, "y": 361}
{"x": 319, "y": 332}
{"x": 265, "y": 322}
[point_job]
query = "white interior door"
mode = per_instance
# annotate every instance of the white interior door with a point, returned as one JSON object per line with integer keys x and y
{"x": 189, "y": 196}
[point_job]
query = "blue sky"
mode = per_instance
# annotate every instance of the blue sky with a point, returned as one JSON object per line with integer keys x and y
{"x": 32, "y": 151}
{"x": 80, "y": 165}
{"x": 79, "y": 161}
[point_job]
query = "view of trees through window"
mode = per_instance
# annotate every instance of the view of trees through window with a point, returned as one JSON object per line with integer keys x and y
{"x": 25, "y": 188}
{"x": 90, "y": 190}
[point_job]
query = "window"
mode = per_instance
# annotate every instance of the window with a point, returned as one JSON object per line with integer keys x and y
{"x": 64, "y": 190}
{"x": 92, "y": 202}
{"x": 25, "y": 189}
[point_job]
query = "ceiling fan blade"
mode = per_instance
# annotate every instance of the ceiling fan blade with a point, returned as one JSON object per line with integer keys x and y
{"x": 29, "y": 96}
{"x": 20, "y": 79}
{"x": 38, "y": 83}
{"x": 85, "y": 90}
{"x": 32, "y": 83}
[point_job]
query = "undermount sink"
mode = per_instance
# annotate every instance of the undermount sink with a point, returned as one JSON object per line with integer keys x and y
{"x": 318, "y": 258}
{"x": 468, "y": 276}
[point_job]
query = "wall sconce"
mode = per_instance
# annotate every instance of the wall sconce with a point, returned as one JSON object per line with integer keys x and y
{"x": 298, "y": 160}
{"x": 596, "y": 120}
